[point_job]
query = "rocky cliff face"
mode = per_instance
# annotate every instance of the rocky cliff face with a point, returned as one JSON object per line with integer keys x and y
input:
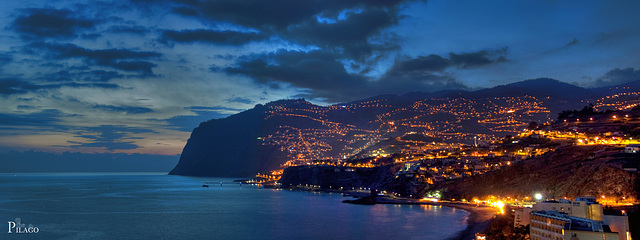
{"x": 235, "y": 146}
{"x": 225, "y": 147}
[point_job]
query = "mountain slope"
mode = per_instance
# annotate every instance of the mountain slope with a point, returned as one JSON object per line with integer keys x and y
{"x": 295, "y": 131}
{"x": 567, "y": 172}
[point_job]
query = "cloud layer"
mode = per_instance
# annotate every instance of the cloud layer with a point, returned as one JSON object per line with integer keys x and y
{"x": 136, "y": 76}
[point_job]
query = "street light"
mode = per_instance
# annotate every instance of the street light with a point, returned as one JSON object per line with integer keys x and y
{"x": 538, "y": 196}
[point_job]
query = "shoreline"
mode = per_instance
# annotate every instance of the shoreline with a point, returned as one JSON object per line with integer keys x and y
{"x": 478, "y": 221}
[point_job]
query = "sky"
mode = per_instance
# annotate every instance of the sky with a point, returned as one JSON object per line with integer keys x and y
{"x": 137, "y": 76}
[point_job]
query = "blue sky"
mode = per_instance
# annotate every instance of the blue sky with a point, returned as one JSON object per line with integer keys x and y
{"x": 136, "y": 76}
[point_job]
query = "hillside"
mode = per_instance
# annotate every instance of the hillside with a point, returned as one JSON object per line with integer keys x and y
{"x": 294, "y": 132}
{"x": 566, "y": 172}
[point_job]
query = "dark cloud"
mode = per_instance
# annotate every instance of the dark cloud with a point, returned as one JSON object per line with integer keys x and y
{"x": 618, "y": 76}
{"x": 145, "y": 68}
{"x": 239, "y": 100}
{"x": 325, "y": 77}
{"x": 572, "y": 43}
{"x": 121, "y": 59}
{"x": 80, "y": 85}
{"x": 37, "y": 23}
{"x": 348, "y": 37}
{"x": 110, "y": 137}
{"x": 278, "y": 14}
{"x": 429, "y": 73}
{"x": 129, "y": 29}
{"x": 43, "y": 118}
{"x": 316, "y": 70}
{"x": 255, "y": 14}
{"x": 82, "y": 76}
{"x": 350, "y": 32}
{"x": 477, "y": 59}
{"x": 424, "y": 66}
{"x": 99, "y": 76}
{"x": 123, "y": 109}
{"x": 431, "y": 63}
{"x": 188, "y": 123}
{"x": 12, "y": 86}
{"x": 16, "y": 86}
{"x": 210, "y": 36}
{"x": 5, "y": 59}
{"x": 214, "y": 108}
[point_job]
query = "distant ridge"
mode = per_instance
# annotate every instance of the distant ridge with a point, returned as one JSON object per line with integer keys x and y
{"x": 540, "y": 88}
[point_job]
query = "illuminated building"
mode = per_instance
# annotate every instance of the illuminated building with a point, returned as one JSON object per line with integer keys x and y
{"x": 573, "y": 220}
{"x": 556, "y": 226}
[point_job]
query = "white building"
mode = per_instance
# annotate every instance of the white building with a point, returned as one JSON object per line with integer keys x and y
{"x": 580, "y": 219}
{"x": 560, "y": 226}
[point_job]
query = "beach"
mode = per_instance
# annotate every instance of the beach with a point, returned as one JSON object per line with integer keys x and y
{"x": 479, "y": 219}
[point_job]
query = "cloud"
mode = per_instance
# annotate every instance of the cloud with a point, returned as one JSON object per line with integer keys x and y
{"x": 315, "y": 70}
{"x": 213, "y": 109}
{"x": 5, "y": 59}
{"x": 37, "y": 23}
{"x": 572, "y": 43}
{"x": 211, "y": 36}
{"x": 350, "y": 36}
{"x": 428, "y": 65}
{"x": 345, "y": 27}
{"x": 188, "y": 123}
{"x": 12, "y": 86}
{"x": 121, "y": 59}
{"x": 123, "y": 109}
{"x": 110, "y": 137}
{"x": 81, "y": 76}
{"x": 42, "y": 118}
{"x": 618, "y": 76}
{"x": 477, "y": 59}
{"x": 239, "y": 100}
{"x": 324, "y": 77}
{"x": 16, "y": 86}
{"x": 431, "y": 63}
{"x": 277, "y": 14}
{"x": 129, "y": 29}
{"x": 251, "y": 13}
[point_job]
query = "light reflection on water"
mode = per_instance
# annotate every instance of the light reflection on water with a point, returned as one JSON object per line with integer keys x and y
{"x": 157, "y": 206}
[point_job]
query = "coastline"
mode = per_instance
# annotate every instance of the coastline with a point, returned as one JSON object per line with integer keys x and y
{"x": 478, "y": 221}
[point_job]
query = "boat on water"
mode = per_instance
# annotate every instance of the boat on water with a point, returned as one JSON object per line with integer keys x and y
{"x": 204, "y": 184}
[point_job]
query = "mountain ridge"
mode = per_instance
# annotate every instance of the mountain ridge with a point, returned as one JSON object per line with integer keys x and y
{"x": 293, "y": 131}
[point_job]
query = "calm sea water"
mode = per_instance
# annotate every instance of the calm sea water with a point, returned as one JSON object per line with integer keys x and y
{"x": 158, "y": 206}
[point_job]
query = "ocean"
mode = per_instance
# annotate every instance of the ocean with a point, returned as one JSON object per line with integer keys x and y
{"x": 159, "y": 206}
